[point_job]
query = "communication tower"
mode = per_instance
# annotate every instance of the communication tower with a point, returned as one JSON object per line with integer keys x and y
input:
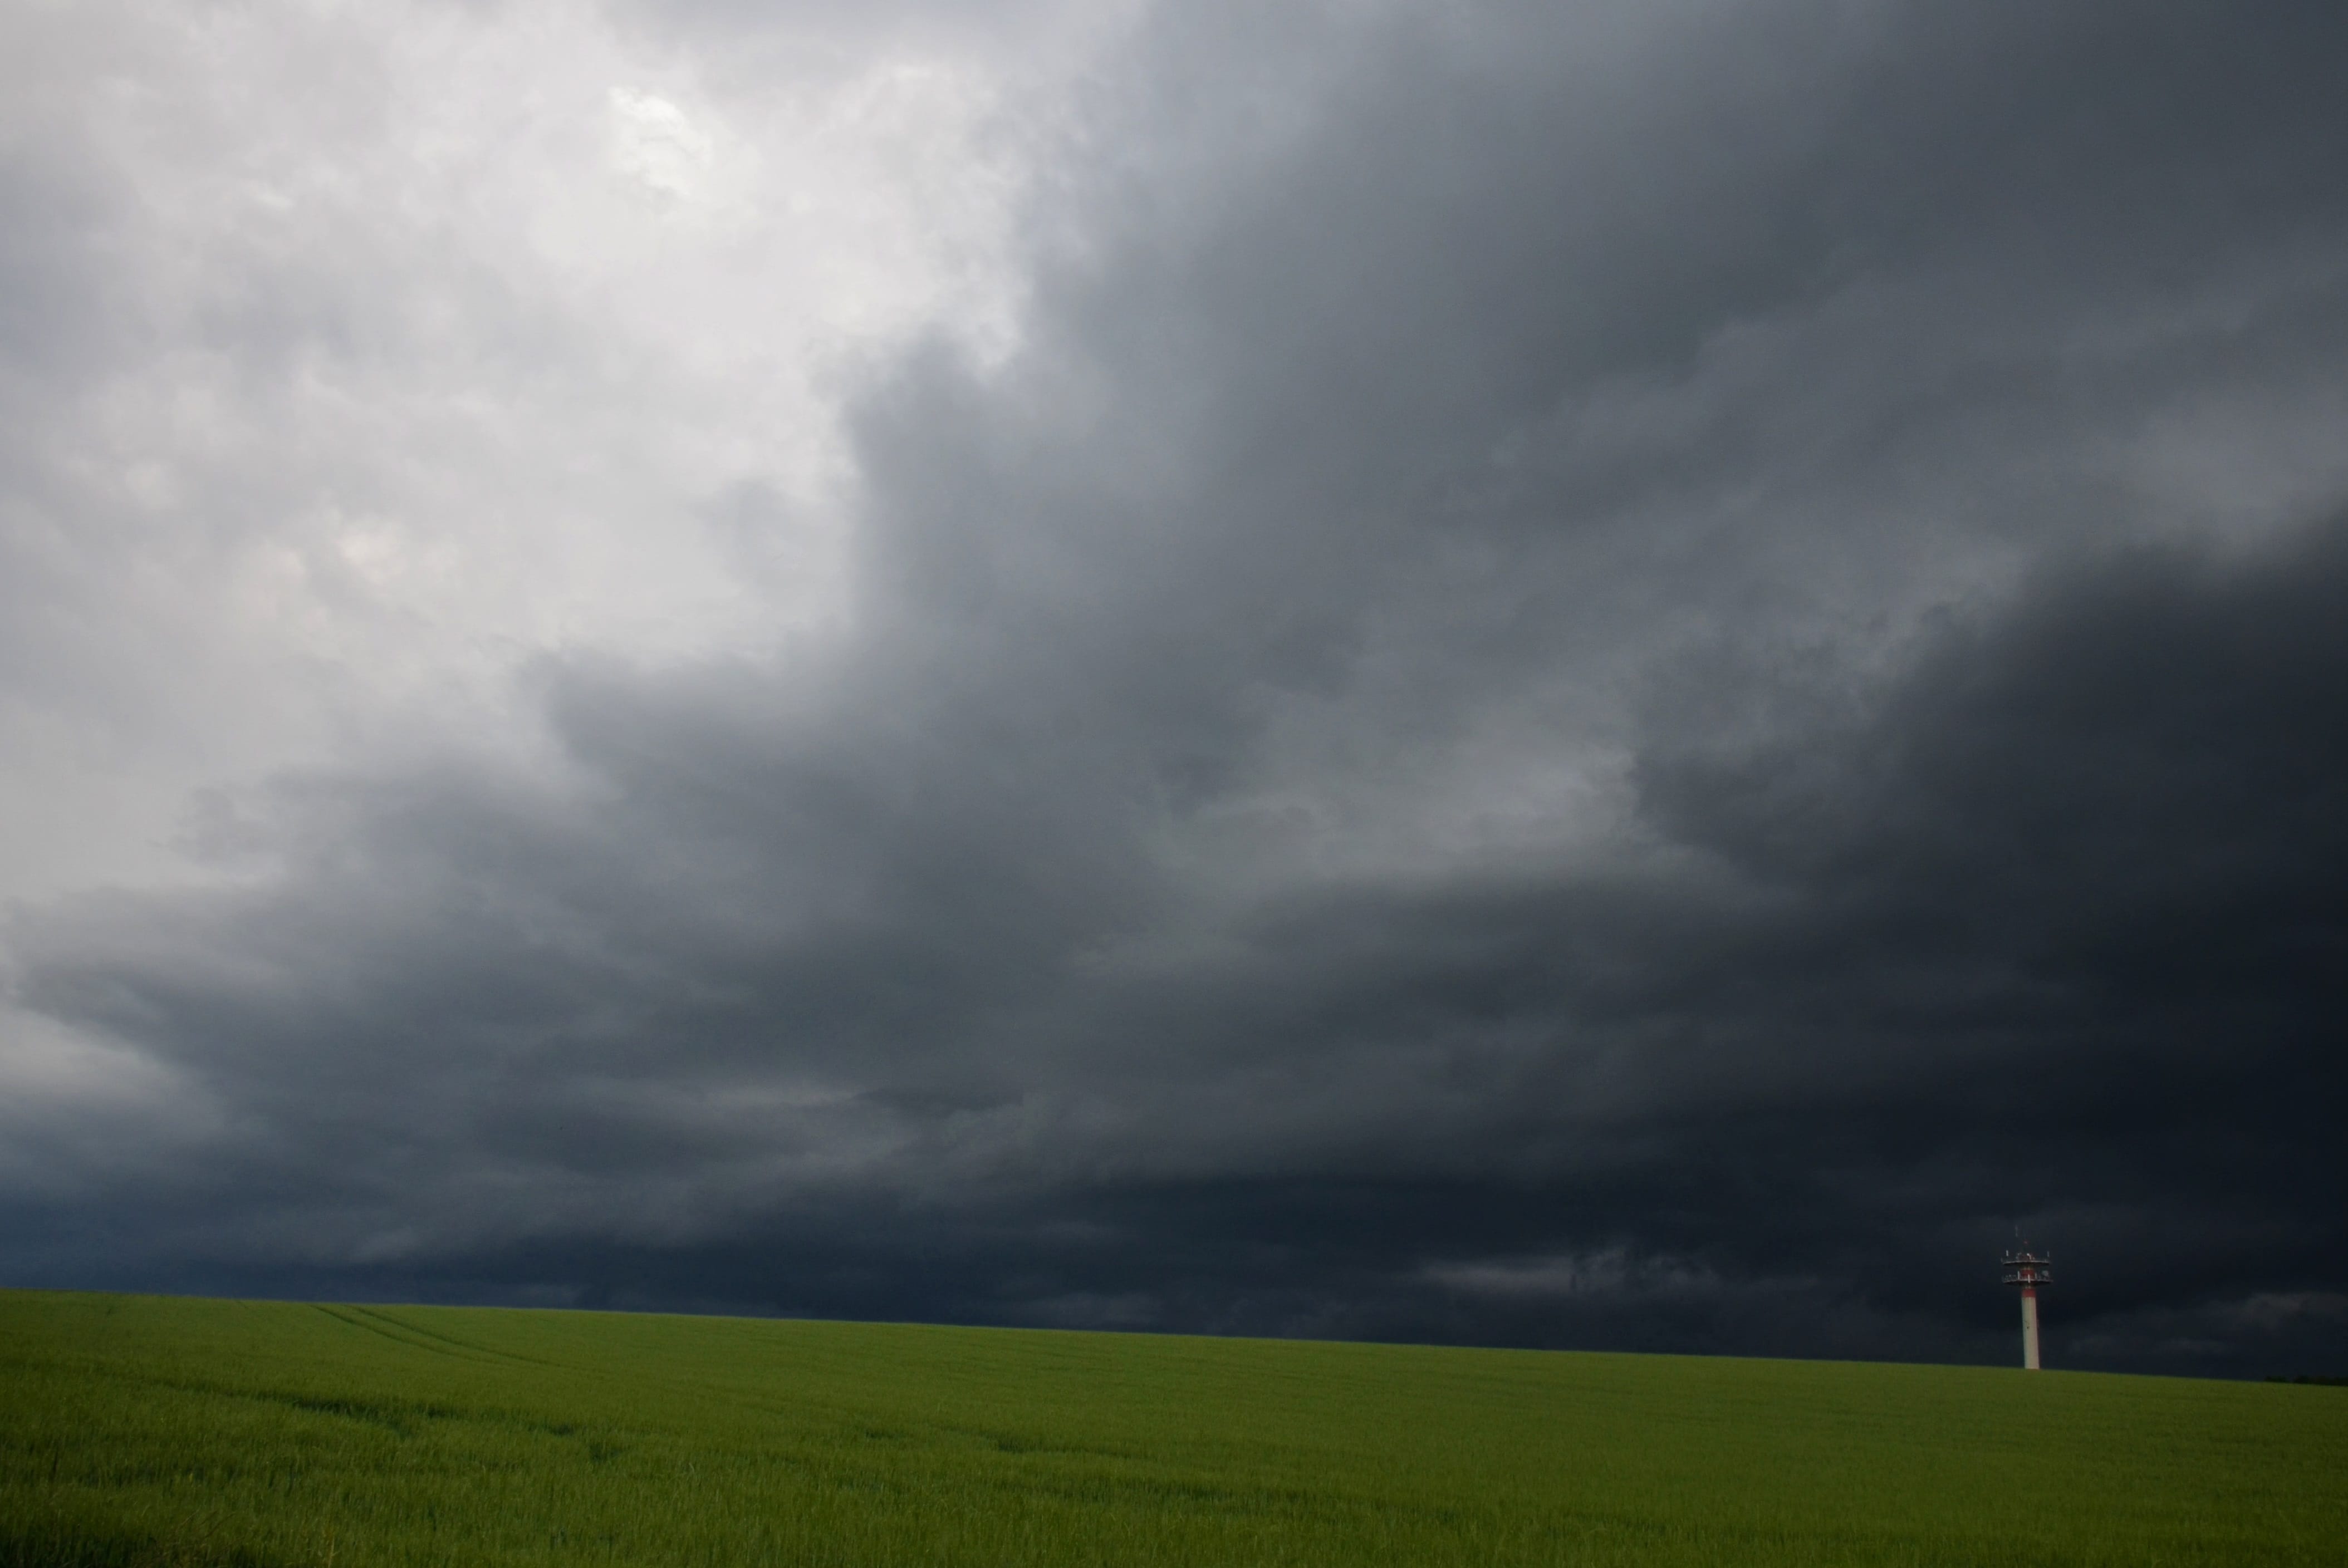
{"x": 2029, "y": 1270}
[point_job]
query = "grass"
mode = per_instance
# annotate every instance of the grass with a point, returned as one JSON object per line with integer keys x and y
{"x": 139, "y": 1430}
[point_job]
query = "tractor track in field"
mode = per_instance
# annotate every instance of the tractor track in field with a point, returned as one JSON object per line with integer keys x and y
{"x": 376, "y": 1316}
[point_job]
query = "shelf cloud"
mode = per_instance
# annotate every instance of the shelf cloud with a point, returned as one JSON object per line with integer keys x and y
{"x": 1626, "y": 676}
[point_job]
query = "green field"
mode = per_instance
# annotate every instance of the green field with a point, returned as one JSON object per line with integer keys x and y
{"x": 139, "y": 1429}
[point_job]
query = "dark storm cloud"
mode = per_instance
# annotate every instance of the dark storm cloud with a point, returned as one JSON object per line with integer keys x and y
{"x": 1628, "y": 677}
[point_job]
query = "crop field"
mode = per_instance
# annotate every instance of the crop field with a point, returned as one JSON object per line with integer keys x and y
{"x": 145, "y": 1431}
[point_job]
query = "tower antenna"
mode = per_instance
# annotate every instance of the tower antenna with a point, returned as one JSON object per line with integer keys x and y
{"x": 2029, "y": 1270}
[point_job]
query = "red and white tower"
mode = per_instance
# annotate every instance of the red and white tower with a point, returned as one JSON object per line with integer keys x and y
{"x": 2029, "y": 1270}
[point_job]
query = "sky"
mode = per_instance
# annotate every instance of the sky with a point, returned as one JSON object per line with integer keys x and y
{"x": 1617, "y": 675}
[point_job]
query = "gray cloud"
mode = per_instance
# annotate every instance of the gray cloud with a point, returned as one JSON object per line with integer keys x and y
{"x": 1618, "y": 678}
